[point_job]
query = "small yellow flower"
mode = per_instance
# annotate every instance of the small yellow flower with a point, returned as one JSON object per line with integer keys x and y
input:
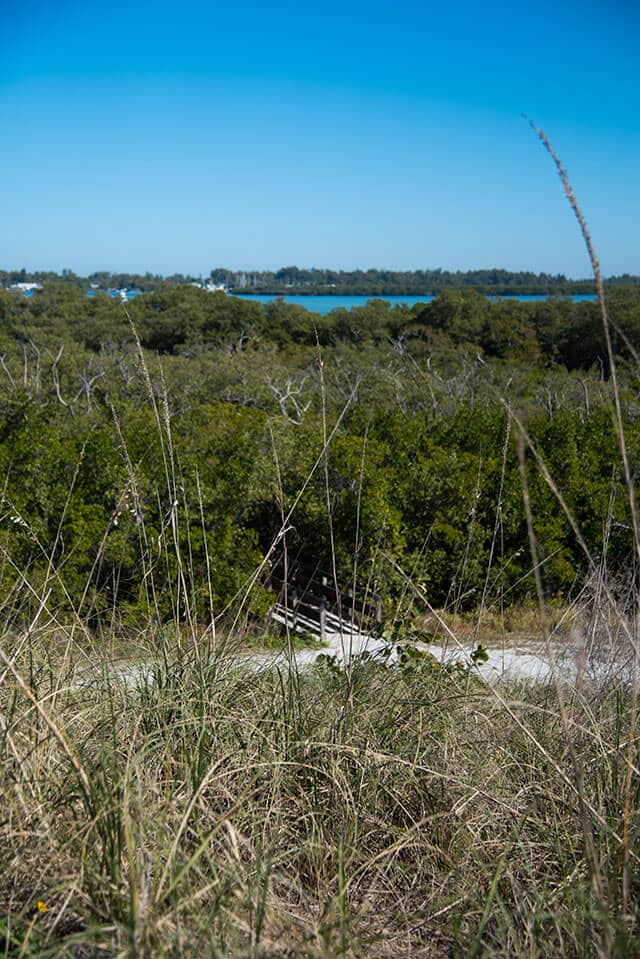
{"x": 42, "y": 906}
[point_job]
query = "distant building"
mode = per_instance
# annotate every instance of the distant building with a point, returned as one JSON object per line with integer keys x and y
{"x": 210, "y": 286}
{"x": 24, "y": 287}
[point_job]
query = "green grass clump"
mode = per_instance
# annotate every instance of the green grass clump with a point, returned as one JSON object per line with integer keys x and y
{"x": 274, "y": 640}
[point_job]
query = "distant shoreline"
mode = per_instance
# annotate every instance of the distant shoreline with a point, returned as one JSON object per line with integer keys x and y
{"x": 294, "y": 281}
{"x": 383, "y": 294}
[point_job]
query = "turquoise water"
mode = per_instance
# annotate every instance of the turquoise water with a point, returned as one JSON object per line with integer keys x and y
{"x": 116, "y": 293}
{"x": 324, "y": 304}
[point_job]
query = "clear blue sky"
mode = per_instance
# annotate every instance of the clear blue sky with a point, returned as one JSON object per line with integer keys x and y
{"x": 169, "y": 137}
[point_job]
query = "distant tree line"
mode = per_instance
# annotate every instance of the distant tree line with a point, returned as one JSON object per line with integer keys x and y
{"x": 292, "y": 279}
{"x": 103, "y": 279}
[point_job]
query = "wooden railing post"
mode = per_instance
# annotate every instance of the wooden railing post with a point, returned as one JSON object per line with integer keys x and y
{"x": 323, "y": 612}
{"x": 294, "y": 604}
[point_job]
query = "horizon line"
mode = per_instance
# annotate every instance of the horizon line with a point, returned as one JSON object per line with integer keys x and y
{"x": 67, "y": 271}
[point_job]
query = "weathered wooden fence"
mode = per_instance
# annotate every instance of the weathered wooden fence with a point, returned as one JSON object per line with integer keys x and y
{"x": 309, "y": 601}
